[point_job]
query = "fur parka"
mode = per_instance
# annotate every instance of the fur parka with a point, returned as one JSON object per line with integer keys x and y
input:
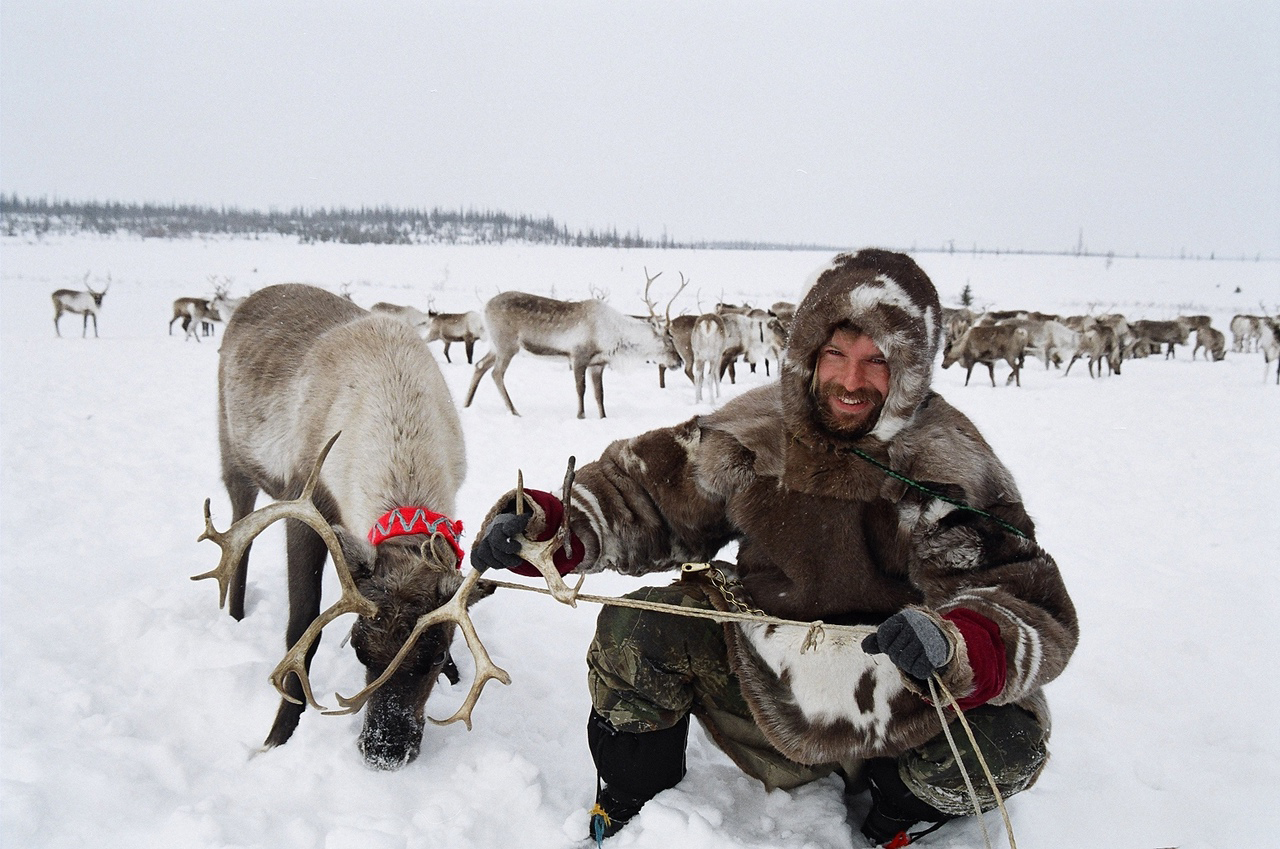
{"x": 824, "y": 534}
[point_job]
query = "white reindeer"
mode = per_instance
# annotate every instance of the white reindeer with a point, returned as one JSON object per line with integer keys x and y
{"x": 590, "y": 333}
{"x": 1269, "y": 344}
{"x": 412, "y": 316}
{"x": 706, "y": 345}
{"x": 79, "y": 303}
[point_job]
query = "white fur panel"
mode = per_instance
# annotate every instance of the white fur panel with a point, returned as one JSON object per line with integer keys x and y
{"x": 866, "y": 298}
{"x": 823, "y": 679}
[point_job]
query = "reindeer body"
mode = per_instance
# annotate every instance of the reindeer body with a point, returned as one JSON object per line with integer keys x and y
{"x": 464, "y": 327}
{"x": 985, "y": 344}
{"x": 299, "y": 364}
{"x": 590, "y": 333}
{"x": 78, "y": 303}
{"x": 1212, "y": 340}
{"x": 681, "y": 329}
{"x": 195, "y": 314}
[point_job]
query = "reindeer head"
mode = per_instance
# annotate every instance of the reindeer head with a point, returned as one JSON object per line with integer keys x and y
{"x": 406, "y": 578}
{"x": 409, "y": 598}
{"x": 97, "y": 296}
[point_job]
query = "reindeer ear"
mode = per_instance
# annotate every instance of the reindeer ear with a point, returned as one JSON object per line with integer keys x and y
{"x": 358, "y": 552}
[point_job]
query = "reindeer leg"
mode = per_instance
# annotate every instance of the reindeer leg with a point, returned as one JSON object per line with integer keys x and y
{"x": 481, "y": 367}
{"x": 307, "y": 553}
{"x": 991, "y": 372}
{"x": 579, "y": 383}
{"x": 447, "y": 359}
{"x": 597, "y": 385}
{"x": 500, "y": 378}
{"x": 471, "y": 347}
{"x": 243, "y": 492}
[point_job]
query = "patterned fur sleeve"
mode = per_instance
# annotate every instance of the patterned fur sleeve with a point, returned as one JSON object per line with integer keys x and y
{"x": 640, "y": 508}
{"x": 965, "y": 559}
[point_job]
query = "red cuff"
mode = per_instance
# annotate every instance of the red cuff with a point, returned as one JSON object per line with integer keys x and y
{"x": 554, "y": 511}
{"x": 986, "y": 655}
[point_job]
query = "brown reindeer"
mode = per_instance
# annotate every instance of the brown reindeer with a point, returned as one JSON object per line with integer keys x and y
{"x": 590, "y": 333}
{"x": 1213, "y": 341}
{"x": 79, "y": 303}
{"x": 985, "y": 344}
{"x": 681, "y": 328}
{"x": 1099, "y": 343}
{"x": 299, "y": 365}
{"x": 1153, "y": 334}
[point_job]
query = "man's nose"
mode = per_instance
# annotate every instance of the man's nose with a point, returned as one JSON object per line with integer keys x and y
{"x": 853, "y": 376}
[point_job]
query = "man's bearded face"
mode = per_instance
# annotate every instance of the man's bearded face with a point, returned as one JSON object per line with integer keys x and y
{"x": 852, "y": 377}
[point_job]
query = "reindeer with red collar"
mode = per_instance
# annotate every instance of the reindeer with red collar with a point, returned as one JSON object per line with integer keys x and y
{"x": 298, "y": 366}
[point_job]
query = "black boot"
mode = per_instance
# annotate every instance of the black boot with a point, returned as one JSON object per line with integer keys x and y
{"x": 894, "y": 808}
{"x": 631, "y": 769}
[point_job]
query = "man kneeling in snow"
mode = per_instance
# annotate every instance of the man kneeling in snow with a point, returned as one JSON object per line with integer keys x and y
{"x": 856, "y": 496}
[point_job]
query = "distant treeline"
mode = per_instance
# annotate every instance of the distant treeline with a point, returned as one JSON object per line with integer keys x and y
{"x": 381, "y": 225}
{"x": 385, "y": 225}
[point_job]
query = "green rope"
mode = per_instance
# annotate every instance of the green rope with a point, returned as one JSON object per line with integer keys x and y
{"x": 917, "y": 485}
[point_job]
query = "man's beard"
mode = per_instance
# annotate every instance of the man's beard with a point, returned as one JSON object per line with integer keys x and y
{"x": 847, "y": 426}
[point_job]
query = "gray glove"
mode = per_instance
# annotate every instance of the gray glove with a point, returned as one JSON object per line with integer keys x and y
{"x": 499, "y": 548}
{"x": 913, "y": 642}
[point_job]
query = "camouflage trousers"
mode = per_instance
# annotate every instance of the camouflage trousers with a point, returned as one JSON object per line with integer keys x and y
{"x": 647, "y": 670}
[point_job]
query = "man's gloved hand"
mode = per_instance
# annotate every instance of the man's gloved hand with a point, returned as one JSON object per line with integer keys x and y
{"x": 499, "y": 548}
{"x": 912, "y": 641}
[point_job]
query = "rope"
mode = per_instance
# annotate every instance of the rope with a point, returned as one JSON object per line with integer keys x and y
{"x": 915, "y": 484}
{"x": 955, "y": 751}
{"x": 816, "y": 630}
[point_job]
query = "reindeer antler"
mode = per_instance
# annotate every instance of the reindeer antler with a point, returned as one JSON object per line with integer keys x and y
{"x": 236, "y": 538}
{"x": 539, "y": 554}
{"x": 454, "y": 610}
{"x": 684, "y": 281}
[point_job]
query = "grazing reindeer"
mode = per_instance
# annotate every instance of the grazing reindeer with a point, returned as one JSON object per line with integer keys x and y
{"x": 590, "y": 333}
{"x": 464, "y": 327}
{"x": 706, "y": 343}
{"x": 79, "y": 303}
{"x": 299, "y": 365}
{"x": 1213, "y": 341}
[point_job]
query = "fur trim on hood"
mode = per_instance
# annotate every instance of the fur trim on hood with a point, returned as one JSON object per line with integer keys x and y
{"x": 886, "y": 296}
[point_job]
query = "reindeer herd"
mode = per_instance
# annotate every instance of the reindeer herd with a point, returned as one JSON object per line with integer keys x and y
{"x": 1102, "y": 340}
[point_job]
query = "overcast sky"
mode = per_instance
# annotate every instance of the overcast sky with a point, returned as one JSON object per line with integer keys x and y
{"x": 1151, "y": 128}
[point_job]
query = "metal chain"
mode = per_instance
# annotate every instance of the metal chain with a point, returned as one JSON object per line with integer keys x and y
{"x": 727, "y": 586}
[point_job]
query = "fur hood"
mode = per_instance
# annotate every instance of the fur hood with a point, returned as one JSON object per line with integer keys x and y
{"x": 884, "y": 295}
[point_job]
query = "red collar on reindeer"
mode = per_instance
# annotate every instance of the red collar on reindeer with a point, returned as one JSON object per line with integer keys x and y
{"x": 403, "y": 521}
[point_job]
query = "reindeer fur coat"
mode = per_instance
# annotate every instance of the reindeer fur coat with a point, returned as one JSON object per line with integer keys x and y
{"x": 823, "y": 534}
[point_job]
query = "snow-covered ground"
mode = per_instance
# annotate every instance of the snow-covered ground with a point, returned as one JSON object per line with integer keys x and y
{"x": 132, "y": 708}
